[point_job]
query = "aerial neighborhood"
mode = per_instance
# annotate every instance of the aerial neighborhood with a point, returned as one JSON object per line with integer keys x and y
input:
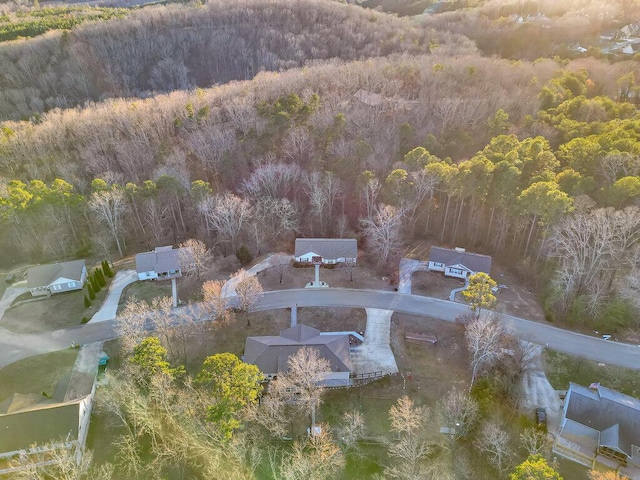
{"x": 320, "y": 240}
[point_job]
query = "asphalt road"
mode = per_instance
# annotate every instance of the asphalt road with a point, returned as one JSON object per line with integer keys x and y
{"x": 15, "y": 347}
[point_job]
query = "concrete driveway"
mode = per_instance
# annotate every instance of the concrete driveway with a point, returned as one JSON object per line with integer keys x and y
{"x": 374, "y": 354}
{"x": 109, "y": 307}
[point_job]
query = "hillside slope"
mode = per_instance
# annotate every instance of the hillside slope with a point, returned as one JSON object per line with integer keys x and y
{"x": 164, "y": 48}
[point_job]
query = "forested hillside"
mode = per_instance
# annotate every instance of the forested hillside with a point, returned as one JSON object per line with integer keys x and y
{"x": 468, "y": 150}
{"x": 164, "y": 48}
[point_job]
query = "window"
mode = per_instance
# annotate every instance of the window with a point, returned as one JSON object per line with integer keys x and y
{"x": 55, "y": 288}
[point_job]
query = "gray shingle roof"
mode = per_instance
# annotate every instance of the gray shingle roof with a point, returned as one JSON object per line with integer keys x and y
{"x": 44, "y": 275}
{"x": 615, "y": 415}
{"x": 162, "y": 259}
{"x": 271, "y": 353}
{"x": 473, "y": 261}
{"x": 51, "y": 423}
{"x": 330, "y": 248}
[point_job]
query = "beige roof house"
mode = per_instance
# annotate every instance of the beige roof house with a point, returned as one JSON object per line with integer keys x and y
{"x": 271, "y": 353}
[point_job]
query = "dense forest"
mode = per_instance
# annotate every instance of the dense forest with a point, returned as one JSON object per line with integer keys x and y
{"x": 245, "y": 125}
{"x": 498, "y": 156}
{"x": 165, "y": 48}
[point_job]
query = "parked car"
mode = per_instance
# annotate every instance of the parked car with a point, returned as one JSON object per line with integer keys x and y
{"x": 541, "y": 417}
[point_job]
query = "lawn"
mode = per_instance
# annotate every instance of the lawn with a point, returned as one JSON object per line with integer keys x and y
{"x": 145, "y": 291}
{"x": 561, "y": 369}
{"x": 36, "y": 374}
{"x": 62, "y": 310}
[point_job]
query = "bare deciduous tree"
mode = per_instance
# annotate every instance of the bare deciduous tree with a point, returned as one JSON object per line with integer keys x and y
{"x": 130, "y": 325}
{"x": 351, "y": 429}
{"x": 248, "y": 289}
{"x": 383, "y": 231}
{"x": 485, "y": 338}
{"x": 227, "y": 215}
{"x": 315, "y": 457}
{"x": 458, "y": 412}
{"x": 302, "y": 382}
{"x": 405, "y": 417}
{"x": 194, "y": 257}
{"x": 110, "y": 206}
{"x": 536, "y": 442}
{"x": 494, "y": 441}
{"x": 215, "y": 300}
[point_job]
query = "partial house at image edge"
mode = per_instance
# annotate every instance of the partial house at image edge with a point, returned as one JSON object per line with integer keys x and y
{"x": 28, "y": 419}
{"x": 326, "y": 250}
{"x": 271, "y": 353}
{"x": 600, "y": 425}
{"x": 457, "y": 262}
{"x": 56, "y": 277}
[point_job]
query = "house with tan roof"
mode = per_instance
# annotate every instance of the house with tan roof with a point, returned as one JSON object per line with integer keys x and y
{"x": 56, "y": 277}
{"x": 271, "y": 353}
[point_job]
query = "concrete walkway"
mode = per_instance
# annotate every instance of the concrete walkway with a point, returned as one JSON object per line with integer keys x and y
{"x": 375, "y": 355}
{"x": 109, "y": 307}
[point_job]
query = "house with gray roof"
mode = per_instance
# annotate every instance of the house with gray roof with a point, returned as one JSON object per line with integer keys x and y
{"x": 56, "y": 277}
{"x": 271, "y": 353}
{"x": 456, "y": 262}
{"x": 31, "y": 422}
{"x": 326, "y": 250}
{"x": 162, "y": 263}
{"x": 600, "y": 425}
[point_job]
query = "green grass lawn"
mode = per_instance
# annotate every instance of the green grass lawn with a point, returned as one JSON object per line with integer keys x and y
{"x": 561, "y": 369}
{"x": 146, "y": 291}
{"x": 61, "y": 310}
{"x": 36, "y": 374}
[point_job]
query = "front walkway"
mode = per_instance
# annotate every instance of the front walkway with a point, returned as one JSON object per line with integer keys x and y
{"x": 109, "y": 307}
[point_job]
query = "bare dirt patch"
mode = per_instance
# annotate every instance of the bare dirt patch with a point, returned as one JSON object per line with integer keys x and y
{"x": 434, "y": 284}
{"x": 365, "y": 276}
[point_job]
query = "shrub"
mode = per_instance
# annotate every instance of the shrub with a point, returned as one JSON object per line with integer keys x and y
{"x": 244, "y": 255}
{"x": 107, "y": 269}
{"x": 84, "y": 320}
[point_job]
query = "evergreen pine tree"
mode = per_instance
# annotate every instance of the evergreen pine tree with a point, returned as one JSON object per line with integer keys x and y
{"x": 100, "y": 277}
{"x": 92, "y": 294}
{"x": 87, "y": 302}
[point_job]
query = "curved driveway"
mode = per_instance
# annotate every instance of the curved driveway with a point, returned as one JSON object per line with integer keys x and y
{"x": 15, "y": 347}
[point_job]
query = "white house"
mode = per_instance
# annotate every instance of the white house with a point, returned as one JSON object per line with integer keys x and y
{"x": 600, "y": 425}
{"x": 271, "y": 353}
{"x": 457, "y": 262}
{"x": 326, "y": 250}
{"x": 162, "y": 263}
{"x": 56, "y": 277}
{"x": 58, "y": 422}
